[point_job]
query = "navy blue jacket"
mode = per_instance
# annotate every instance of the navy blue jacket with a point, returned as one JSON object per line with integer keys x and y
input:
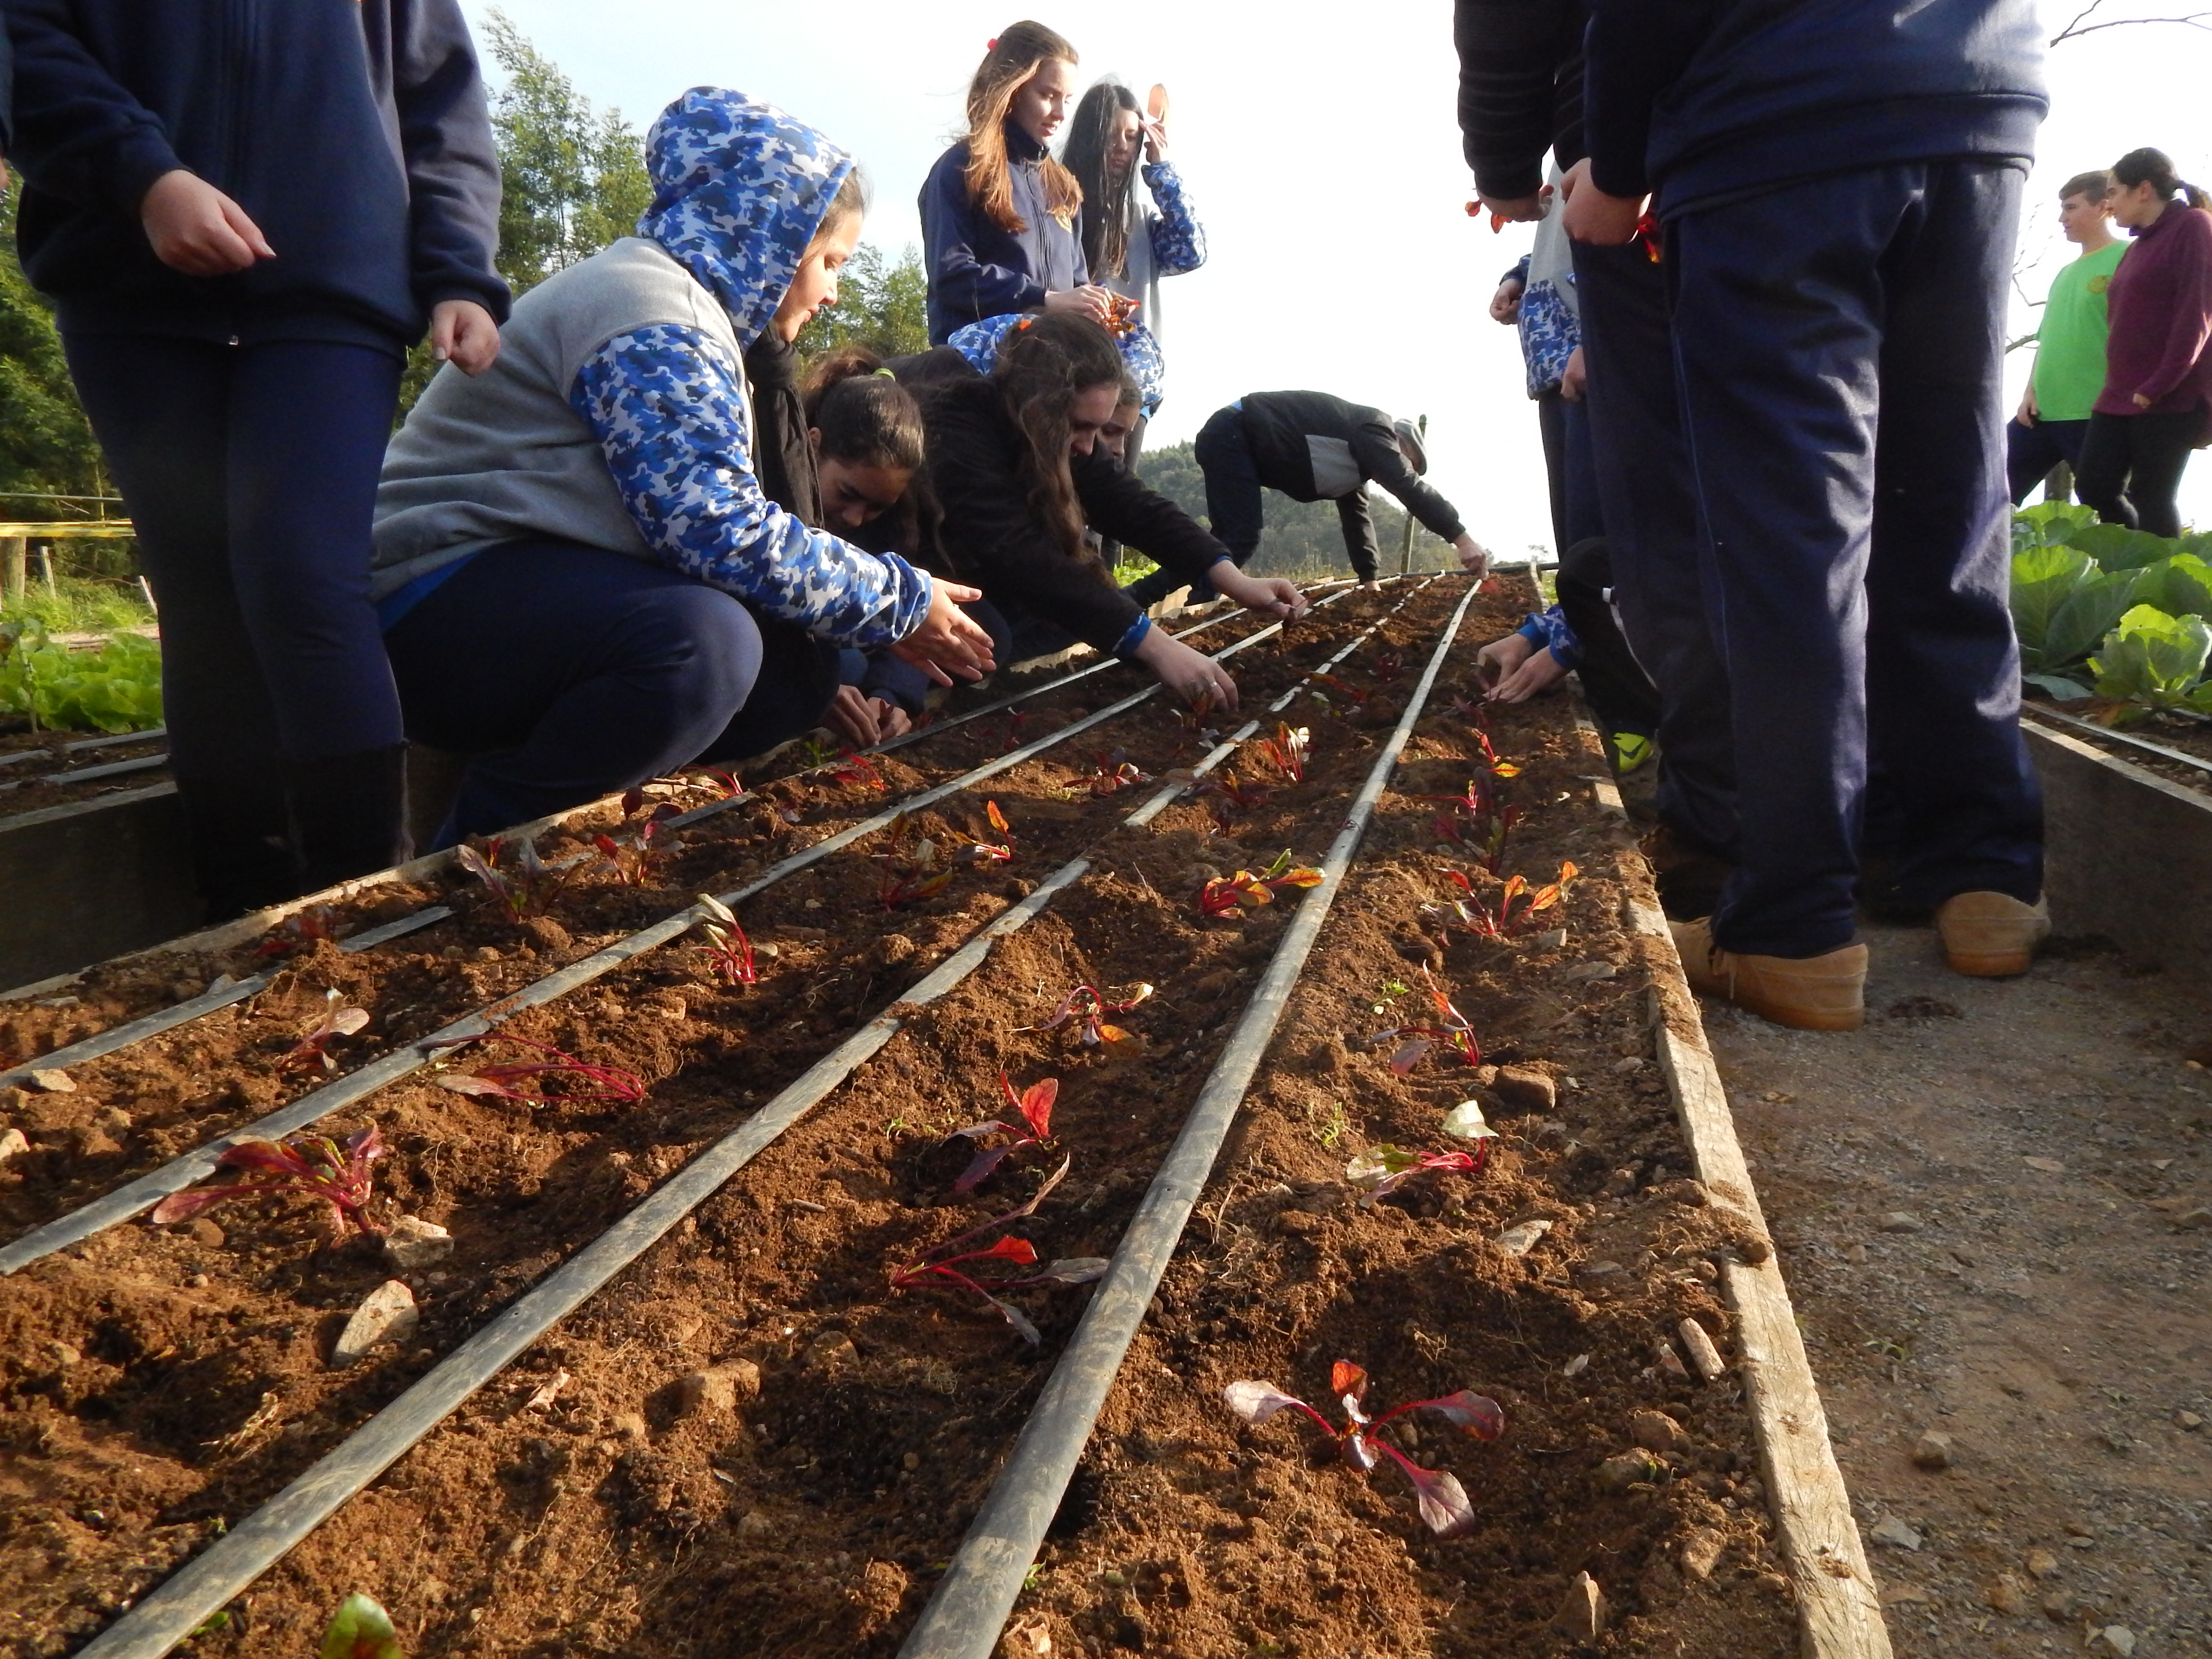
{"x": 1520, "y": 89}
{"x": 1698, "y": 98}
{"x": 979, "y": 268}
{"x": 356, "y": 136}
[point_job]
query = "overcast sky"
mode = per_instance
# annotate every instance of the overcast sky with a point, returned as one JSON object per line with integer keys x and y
{"x": 1320, "y": 150}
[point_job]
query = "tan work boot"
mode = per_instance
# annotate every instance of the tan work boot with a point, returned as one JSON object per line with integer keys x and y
{"x": 1991, "y": 935}
{"x": 1825, "y": 993}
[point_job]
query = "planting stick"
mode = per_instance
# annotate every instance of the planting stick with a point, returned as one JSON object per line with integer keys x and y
{"x": 170, "y": 1613}
{"x": 167, "y": 1019}
{"x": 149, "y": 1190}
{"x": 964, "y": 1617}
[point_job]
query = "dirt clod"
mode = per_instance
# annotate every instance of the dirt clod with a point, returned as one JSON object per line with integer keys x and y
{"x": 1581, "y": 1617}
{"x": 387, "y": 1314}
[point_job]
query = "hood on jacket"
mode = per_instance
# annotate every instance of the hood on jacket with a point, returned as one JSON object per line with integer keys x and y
{"x": 738, "y": 190}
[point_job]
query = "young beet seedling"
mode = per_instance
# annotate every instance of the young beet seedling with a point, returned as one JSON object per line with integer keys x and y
{"x": 1033, "y": 1106}
{"x": 938, "y": 1267}
{"x": 1326, "y": 684}
{"x": 1229, "y": 798}
{"x": 300, "y": 930}
{"x": 1086, "y": 1004}
{"x": 1225, "y": 895}
{"x": 362, "y": 1629}
{"x": 1109, "y": 773}
{"x": 314, "y": 1166}
{"x": 526, "y": 886}
{"x": 851, "y": 766}
{"x": 637, "y": 865}
{"x": 1451, "y": 1030}
{"x": 498, "y": 1081}
{"x": 1443, "y": 1501}
{"x": 1381, "y": 1170}
{"x": 1286, "y": 750}
{"x": 314, "y": 1047}
{"x": 1471, "y": 914}
{"x": 1388, "y": 665}
{"x": 914, "y": 870}
{"x": 975, "y": 849}
{"x": 729, "y": 952}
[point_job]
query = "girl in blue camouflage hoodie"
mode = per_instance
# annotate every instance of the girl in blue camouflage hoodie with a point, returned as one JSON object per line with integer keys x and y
{"x": 582, "y": 582}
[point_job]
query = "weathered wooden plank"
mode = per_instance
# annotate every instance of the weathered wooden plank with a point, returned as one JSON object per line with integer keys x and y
{"x": 87, "y": 880}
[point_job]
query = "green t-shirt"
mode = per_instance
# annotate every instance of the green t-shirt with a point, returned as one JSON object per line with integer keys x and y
{"x": 2070, "y": 358}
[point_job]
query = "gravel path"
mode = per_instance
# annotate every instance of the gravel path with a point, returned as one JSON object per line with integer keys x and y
{"x": 1991, "y": 1205}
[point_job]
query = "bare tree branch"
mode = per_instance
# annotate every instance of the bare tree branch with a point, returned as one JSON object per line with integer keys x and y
{"x": 2079, "y": 26}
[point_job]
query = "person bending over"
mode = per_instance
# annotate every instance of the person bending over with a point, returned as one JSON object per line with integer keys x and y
{"x": 1017, "y": 467}
{"x": 1312, "y": 448}
{"x": 581, "y": 584}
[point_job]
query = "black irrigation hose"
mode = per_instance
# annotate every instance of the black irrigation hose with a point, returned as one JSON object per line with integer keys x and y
{"x": 91, "y": 774}
{"x": 2165, "y": 752}
{"x": 964, "y": 1617}
{"x": 147, "y": 1190}
{"x": 227, "y": 1567}
{"x": 22, "y": 755}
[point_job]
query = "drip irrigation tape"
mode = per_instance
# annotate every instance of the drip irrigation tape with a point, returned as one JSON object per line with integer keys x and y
{"x": 2106, "y": 734}
{"x": 90, "y": 774}
{"x": 170, "y": 1613}
{"x": 964, "y": 1617}
{"x": 149, "y": 1190}
{"x": 22, "y": 755}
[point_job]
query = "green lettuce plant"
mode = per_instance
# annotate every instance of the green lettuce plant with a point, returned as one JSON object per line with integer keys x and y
{"x": 2155, "y": 661}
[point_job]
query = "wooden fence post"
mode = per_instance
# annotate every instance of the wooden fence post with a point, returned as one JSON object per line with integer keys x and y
{"x": 1405, "y": 553}
{"x": 13, "y": 550}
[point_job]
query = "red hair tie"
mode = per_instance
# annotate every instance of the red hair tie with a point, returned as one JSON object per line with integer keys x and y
{"x": 991, "y": 44}
{"x": 1022, "y": 327}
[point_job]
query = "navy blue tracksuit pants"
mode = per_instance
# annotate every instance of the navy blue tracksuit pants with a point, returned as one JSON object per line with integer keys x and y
{"x": 1839, "y": 342}
{"x": 1650, "y": 514}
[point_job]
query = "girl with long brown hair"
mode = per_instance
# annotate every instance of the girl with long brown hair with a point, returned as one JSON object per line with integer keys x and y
{"x": 1000, "y": 217}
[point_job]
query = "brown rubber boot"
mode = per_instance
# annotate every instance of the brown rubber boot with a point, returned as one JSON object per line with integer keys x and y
{"x": 1811, "y": 994}
{"x": 1991, "y": 935}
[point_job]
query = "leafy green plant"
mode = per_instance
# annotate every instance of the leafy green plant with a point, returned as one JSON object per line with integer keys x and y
{"x": 2062, "y": 605}
{"x": 2155, "y": 661}
{"x": 361, "y": 1630}
{"x": 116, "y": 688}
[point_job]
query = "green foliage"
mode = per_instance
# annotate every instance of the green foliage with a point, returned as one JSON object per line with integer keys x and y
{"x": 2062, "y": 605}
{"x": 880, "y": 305}
{"x": 81, "y": 605}
{"x": 116, "y": 688}
{"x": 45, "y": 443}
{"x": 2155, "y": 659}
{"x": 1303, "y": 539}
{"x": 360, "y": 1630}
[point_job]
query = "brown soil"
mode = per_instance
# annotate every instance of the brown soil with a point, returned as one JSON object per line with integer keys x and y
{"x": 2192, "y": 736}
{"x": 51, "y": 780}
{"x": 158, "y": 1382}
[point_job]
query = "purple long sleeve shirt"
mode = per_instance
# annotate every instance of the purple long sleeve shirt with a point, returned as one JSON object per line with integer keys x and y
{"x": 2160, "y": 308}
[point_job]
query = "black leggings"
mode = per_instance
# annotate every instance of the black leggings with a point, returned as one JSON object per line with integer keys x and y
{"x": 2131, "y": 468}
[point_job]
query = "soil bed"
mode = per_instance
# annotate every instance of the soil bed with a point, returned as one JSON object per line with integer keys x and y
{"x": 159, "y": 1382}
{"x": 2191, "y": 736}
{"x": 32, "y": 786}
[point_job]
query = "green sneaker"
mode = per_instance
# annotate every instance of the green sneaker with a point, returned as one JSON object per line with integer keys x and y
{"x": 1629, "y": 750}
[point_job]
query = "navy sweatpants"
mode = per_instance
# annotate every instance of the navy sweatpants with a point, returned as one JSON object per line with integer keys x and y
{"x": 1650, "y": 517}
{"x": 250, "y": 473}
{"x": 2031, "y": 452}
{"x": 1840, "y": 343}
{"x": 1234, "y": 511}
{"x": 565, "y": 672}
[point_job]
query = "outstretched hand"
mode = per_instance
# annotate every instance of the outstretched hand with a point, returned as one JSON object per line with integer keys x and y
{"x": 1263, "y": 596}
{"x": 948, "y": 641}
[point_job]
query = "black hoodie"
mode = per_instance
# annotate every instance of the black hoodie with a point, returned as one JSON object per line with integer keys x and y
{"x": 1520, "y": 89}
{"x": 355, "y": 135}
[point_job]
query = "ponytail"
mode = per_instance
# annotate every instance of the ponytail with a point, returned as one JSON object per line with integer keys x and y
{"x": 2154, "y": 167}
{"x": 864, "y": 416}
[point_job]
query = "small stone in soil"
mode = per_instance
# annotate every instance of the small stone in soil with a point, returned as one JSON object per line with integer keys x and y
{"x": 1894, "y": 1533}
{"x": 2187, "y": 1420}
{"x": 1702, "y": 1551}
{"x": 717, "y": 1388}
{"x": 2200, "y": 1216}
{"x": 2118, "y": 1637}
{"x": 1525, "y": 1088}
{"x": 1932, "y": 1451}
{"x": 1901, "y": 1221}
{"x": 1581, "y": 1617}
{"x": 2042, "y": 1563}
{"x": 414, "y": 1244}
{"x": 1670, "y": 1361}
{"x": 53, "y": 1082}
{"x": 204, "y": 1232}
{"x": 1575, "y": 1366}
{"x": 754, "y": 1524}
{"x": 831, "y": 1350}
{"x": 2003, "y": 1596}
{"x": 1704, "y": 1357}
{"x": 1624, "y": 1469}
{"x": 1520, "y": 1238}
{"x": 13, "y": 1143}
{"x": 1656, "y": 1432}
{"x": 387, "y": 1314}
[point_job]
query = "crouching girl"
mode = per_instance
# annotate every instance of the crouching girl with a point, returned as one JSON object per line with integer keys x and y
{"x": 581, "y": 583}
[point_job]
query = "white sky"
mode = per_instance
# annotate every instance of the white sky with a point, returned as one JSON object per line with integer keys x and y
{"x": 1323, "y": 160}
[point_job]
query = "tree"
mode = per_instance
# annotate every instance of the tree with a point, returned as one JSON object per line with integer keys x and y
{"x": 45, "y": 442}
{"x": 884, "y": 307}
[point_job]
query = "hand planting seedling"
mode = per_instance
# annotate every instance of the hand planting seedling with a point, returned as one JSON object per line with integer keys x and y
{"x": 526, "y": 886}
{"x": 314, "y": 1166}
{"x": 1286, "y": 750}
{"x": 1442, "y": 1500}
{"x": 1451, "y": 1029}
{"x": 1471, "y": 914}
{"x": 1226, "y": 894}
{"x": 938, "y": 1267}
{"x": 1229, "y": 798}
{"x": 729, "y": 952}
{"x": 1086, "y": 1004}
{"x": 300, "y": 929}
{"x": 1033, "y": 1106}
{"x": 1381, "y": 1170}
{"x": 498, "y": 1081}
{"x": 313, "y": 1048}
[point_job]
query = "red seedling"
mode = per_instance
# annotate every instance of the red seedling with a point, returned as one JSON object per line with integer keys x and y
{"x": 1415, "y": 1041}
{"x": 1286, "y": 750}
{"x": 1381, "y": 1170}
{"x": 723, "y": 785}
{"x": 914, "y": 867}
{"x": 1196, "y": 721}
{"x": 1325, "y": 684}
{"x": 729, "y": 952}
{"x": 1033, "y": 1106}
{"x": 314, "y": 1166}
{"x": 314, "y": 1047}
{"x": 851, "y": 766}
{"x": 1475, "y": 818}
{"x": 1087, "y": 1004}
{"x": 1109, "y": 773}
{"x": 1015, "y": 724}
{"x": 1442, "y": 1500}
{"x": 1225, "y": 895}
{"x": 938, "y": 1267}
{"x": 1388, "y": 665}
{"x": 1228, "y": 798}
{"x": 1502, "y": 921}
{"x": 1496, "y": 767}
{"x": 974, "y": 849}
{"x": 638, "y": 864}
{"x": 301, "y": 928}
{"x": 601, "y": 1082}
{"x": 525, "y": 884}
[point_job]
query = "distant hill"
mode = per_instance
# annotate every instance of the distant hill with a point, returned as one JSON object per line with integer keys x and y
{"x": 1302, "y": 539}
